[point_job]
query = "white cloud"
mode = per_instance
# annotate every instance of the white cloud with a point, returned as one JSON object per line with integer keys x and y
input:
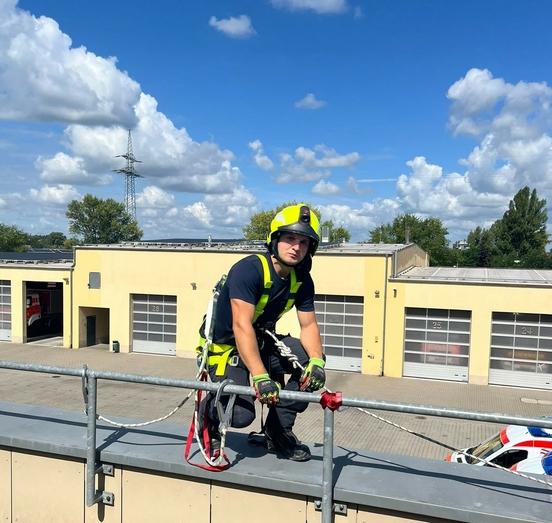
{"x": 309, "y": 101}
{"x": 312, "y": 165}
{"x": 170, "y": 157}
{"x": 59, "y": 195}
{"x": 218, "y": 215}
{"x": 44, "y": 78}
{"x": 360, "y": 220}
{"x": 427, "y": 190}
{"x": 318, "y": 6}
{"x": 353, "y": 186}
{"x": 153, "y": 197}
{"x": 328, "y": 157}
{"x": 513, "y": 123}
{"x": 324, "y": 188}
{"x": 261, "y": 159}
{"x": 234, "y": 27}
{"x": 62, "y": 168}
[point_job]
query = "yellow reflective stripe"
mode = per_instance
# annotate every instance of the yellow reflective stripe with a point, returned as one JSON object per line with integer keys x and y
{"x": 219, "y": 354}
{"x": 293, "y": 288}
{"x": 267, "y": 284}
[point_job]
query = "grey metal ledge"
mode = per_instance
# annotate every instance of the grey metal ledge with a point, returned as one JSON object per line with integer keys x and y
{"x": 412, "y": 485}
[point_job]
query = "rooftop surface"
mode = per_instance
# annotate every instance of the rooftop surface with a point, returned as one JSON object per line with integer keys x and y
{"x": 50, "y": 257}
{"x": 478, "y": 275}
{"x": 417, "y": 486}
{"x": 249, "y": 246}
{"x": 353, "y": 428}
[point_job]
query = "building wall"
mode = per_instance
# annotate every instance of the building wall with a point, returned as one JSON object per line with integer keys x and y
{"x": 42, "y": 488}
{"x": 18, "y": 276}
{"x": 481, "y": 299}
{"x": 190, "y": 276}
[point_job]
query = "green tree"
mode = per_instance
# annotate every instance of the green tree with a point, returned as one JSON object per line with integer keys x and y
{"x": 521, "y": 231}
{"x": 53, "y": 240}
{"x": 96, "y": 220}
{"x": 338, "y": 234}
{"x": 428, "y": 233}
{"x": 12, "y": 238}
{"x": 259, "y": 224}
{"x": 480, "y": 250}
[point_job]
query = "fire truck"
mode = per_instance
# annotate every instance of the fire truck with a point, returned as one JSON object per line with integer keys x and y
{"x": 43, "y": 311}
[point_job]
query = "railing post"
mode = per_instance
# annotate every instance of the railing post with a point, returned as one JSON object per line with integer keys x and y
{"x": 327, "y": 467}
{"x": 91, "y": 497}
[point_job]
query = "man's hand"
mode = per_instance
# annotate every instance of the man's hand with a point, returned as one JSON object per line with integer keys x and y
{"x": 313, "y": 377}
{"x": 268, "y": 391}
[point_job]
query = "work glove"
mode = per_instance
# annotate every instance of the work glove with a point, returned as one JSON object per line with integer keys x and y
{"x": 313, "y": 377}
{"x": 268, "y": 391}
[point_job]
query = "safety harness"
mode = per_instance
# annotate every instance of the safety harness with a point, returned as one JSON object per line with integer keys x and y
{"x": 219, "y": 355}
{"x": 222, "y": 354}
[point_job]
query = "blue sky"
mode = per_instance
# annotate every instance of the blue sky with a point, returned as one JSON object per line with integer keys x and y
{"x": 366, "y": 109}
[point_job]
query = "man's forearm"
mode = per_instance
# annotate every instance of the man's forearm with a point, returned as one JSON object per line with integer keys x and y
{"x": 310, "y": 339}
{"x": 248, "y": 349}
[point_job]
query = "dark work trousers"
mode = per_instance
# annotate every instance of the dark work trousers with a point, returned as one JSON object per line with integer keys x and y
{"x": 280, "y": 417}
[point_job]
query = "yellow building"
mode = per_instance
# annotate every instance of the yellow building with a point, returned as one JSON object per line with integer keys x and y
{"x": 381, "y": 309}
{"x": 33, "y": 293}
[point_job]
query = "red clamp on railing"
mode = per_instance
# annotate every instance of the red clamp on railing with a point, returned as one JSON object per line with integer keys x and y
{"x": 331, "y": 400}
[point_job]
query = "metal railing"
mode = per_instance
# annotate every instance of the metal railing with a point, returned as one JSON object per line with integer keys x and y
{"x": 90, "y": 379}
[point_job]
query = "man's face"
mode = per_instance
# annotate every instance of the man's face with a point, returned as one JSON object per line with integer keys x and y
{"x": 292, "y": 248}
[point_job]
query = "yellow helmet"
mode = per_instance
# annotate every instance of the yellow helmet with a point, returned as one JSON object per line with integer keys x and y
{"x": 298, "y": 219}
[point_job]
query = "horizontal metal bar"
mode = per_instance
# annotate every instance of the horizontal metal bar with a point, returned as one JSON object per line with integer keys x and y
{"x": 47, "y": 369}
{"x": 284, "y": 394}
{"x": 447, "y": 413}
{"x": 202, "y": 385}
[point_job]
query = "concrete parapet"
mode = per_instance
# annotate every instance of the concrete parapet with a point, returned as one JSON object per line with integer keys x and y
{"x": 42, "y": 452}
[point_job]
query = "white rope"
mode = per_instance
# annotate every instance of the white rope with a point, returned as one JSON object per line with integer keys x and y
{"x": 285, "y": 351}
{"x": 145, "y": 423}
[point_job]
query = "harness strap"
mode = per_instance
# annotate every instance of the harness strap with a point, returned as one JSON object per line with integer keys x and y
{"x": 294, "y": 286}
{"x": 203, "y": 436}
{"x": 267, "y": 285}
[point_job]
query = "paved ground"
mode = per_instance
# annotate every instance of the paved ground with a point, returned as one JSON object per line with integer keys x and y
{"x": 353, "y": 429}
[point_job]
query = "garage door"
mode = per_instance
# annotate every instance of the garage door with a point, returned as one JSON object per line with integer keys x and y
{"x": 437, "y": 343}
{"x": 521, "y": 350}
{"x": 5, "y": 310}
{"x": 340, "y": 319}
{"x": 154, "y": 324}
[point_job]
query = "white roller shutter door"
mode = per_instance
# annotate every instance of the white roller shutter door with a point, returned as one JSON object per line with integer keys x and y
{"x": 521, "y": 350}
{"x": 340, "y": 319}
{"x": 5, "y": 310}
{"x": 437, "y": 343}
{"x": 154, "y": 324}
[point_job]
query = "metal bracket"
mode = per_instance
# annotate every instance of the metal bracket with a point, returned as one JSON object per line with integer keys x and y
{"x": 105, "y": 469}
{"x": 107, "y": 498}
{"x": 338, "y": 508}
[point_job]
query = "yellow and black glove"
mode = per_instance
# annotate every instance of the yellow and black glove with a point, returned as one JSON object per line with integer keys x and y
{"x": 313, "y": 377}
{"x": 268, "y": 391}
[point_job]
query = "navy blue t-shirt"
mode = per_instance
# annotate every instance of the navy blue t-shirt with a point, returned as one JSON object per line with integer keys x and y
{"x": 245, "y": 282}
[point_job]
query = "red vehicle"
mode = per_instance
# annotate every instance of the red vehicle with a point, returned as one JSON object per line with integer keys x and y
{"x": 34, "y": 310}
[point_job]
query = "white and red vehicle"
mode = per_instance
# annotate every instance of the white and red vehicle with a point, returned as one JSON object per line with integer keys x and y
{"x": 510, "y": 446}
{"x": 34, "y": 310}
{"x": 538, "y": 465}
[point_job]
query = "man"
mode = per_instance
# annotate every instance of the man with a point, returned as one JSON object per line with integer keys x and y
{"x": 257, "y": 291}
